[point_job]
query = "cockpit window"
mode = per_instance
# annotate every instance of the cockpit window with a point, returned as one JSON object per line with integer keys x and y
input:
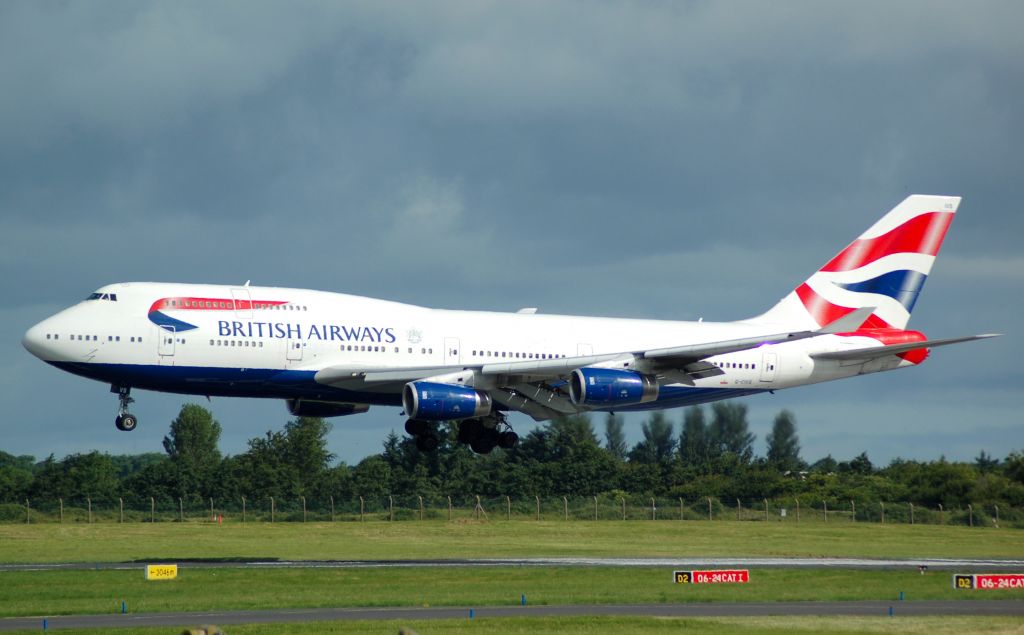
{"x": 112, "y": 297}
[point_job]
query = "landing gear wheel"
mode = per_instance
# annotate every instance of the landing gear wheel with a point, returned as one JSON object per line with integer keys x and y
{"x": 508, "y": 440}
{"x": 126, "y": 422}
{"x": 486, "y": 442}
{"x": 417, "y": 427}
{"x": 470, "y": 430}
{"x": 427, "y": 443}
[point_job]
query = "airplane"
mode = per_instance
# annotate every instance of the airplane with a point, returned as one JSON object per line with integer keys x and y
{"x": 331, "y": 354}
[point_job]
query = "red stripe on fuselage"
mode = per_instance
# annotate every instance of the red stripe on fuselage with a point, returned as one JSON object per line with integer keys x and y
{"x": 211, "y": 304}
{"x": 921, "y": 235}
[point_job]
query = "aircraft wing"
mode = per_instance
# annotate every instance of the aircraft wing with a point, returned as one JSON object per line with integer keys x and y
{"x": 685, "y": 361}
{"x": 874, "y": 352}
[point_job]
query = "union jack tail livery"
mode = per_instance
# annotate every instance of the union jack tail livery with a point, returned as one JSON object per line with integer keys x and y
{"x": 885, "y": 268}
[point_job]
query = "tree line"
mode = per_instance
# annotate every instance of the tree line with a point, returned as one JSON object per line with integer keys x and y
{"x": 711, "y": 454}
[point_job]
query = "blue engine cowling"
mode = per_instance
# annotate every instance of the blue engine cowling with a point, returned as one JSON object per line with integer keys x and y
{"x": 611, "y": 387}
{"x": 429, "y": 401}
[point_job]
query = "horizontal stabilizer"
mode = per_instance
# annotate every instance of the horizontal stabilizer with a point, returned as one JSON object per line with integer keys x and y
{"x": 895, "y": 349}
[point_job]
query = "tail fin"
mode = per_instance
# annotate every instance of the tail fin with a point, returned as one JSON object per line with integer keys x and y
{"x": 885, "y": 268}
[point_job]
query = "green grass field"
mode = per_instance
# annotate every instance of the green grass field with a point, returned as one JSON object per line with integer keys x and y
{"x": 102, "y": 591}
{"x": 469, "y": 539}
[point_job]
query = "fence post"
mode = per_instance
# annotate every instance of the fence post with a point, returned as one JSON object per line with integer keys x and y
{"x": 181, "y": 511}
{"x": 565, "y": 507}
{"x": 680, "y": 508}
{"x": 942, "y": 515}
{"x": 88, "y": 502}
{"x": 303, "y": 508}
{"x": 449, "y": 509}
{"x": 709, "y": 508}
{"x": 152, "y": 509}
{"x": 362, "y": 508}
{"x": 62, "y": 511}
{"x": 391, "y": 508}
{"x": 737, "y": 509}
{"x": 654, "y": 510}
{"x": 911, "y": 513}
{"x": 997, "y": 515}
{"x": 332, "y": 508}
{"x": 824, "y": 507}
{"x": 766, "y": 510}
{"x": 120, "y": 504}
{"x": 213, "y": 514}
{"x": 243, "y": 510}
{"x": 595, "y": 508}
{"x": 853, "y": 512}
{"x": 797, "y": 509}
{"x": 537, "y": 498}
{"x": 28, "y": 513}
{"x": 421, "y": 506}
{"x": 882, "y": 505}
{"x": 508, "y": 508}
{"x": 623, "y": 499}
{"x": 271, "y": 509}
{"x": 970, "y": 512}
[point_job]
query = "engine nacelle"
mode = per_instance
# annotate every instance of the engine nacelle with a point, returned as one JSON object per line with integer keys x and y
{"x": 314, "y": 408}
{"x": 611, "y": 387}
{"x": 431, "y": 401}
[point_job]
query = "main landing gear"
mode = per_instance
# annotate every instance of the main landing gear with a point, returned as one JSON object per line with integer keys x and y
{"x": 481, "y": 434}
{"x": 486, "y": 433}
{"x": 125, "y": 420}
{"x": 423, "y": 432}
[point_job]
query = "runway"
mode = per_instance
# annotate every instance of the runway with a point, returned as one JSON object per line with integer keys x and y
{"x": 719, "y": 609}
{"x": 964, "y": 565}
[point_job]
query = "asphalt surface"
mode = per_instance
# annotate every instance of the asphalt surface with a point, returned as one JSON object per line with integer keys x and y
{"x": 720, "y": 609}
{"x": 964, "y": 565}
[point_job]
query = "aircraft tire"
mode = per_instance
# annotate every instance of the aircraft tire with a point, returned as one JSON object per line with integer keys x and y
{"x": 486, "y": 442}
{"x": 470, "y": 430}
{"x": 508, "y": 440}
{"x": 416, "y": 427}
{"x": 126, "y": 422}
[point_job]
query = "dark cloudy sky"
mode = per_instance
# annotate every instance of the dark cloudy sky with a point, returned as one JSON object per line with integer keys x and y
{"x": 650, "y": 159}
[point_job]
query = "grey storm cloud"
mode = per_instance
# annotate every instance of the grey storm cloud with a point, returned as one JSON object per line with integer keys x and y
{"x": 668, "y": 160}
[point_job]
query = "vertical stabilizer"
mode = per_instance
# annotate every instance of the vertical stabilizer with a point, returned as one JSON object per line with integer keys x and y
{"x": 886, "y": 267}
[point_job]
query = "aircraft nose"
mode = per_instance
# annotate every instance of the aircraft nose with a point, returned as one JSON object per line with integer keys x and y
{"x": 34, "y": 340}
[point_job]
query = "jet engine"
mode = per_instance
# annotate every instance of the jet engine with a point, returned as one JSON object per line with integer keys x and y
{"x": 430, "y": 401}
{"x": 611, "y": 387}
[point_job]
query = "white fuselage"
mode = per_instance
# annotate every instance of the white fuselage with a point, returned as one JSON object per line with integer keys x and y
{"x": 271, "y": 342}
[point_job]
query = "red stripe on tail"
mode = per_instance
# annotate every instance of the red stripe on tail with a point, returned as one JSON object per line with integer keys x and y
{"x": 922, "y": 234}
{"x": 824, "y": 312}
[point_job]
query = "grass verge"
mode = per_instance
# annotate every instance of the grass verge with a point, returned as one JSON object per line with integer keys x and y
{"x": 413, "y": 540}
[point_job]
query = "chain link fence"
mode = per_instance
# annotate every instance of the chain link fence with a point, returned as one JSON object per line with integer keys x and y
{"x": 404, "y": 508}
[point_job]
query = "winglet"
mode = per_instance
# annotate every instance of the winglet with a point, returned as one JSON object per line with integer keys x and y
{"x": 849, "y": 322}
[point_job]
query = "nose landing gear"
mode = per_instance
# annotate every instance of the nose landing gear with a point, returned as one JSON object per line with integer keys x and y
{"x": 125, "y": 420}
